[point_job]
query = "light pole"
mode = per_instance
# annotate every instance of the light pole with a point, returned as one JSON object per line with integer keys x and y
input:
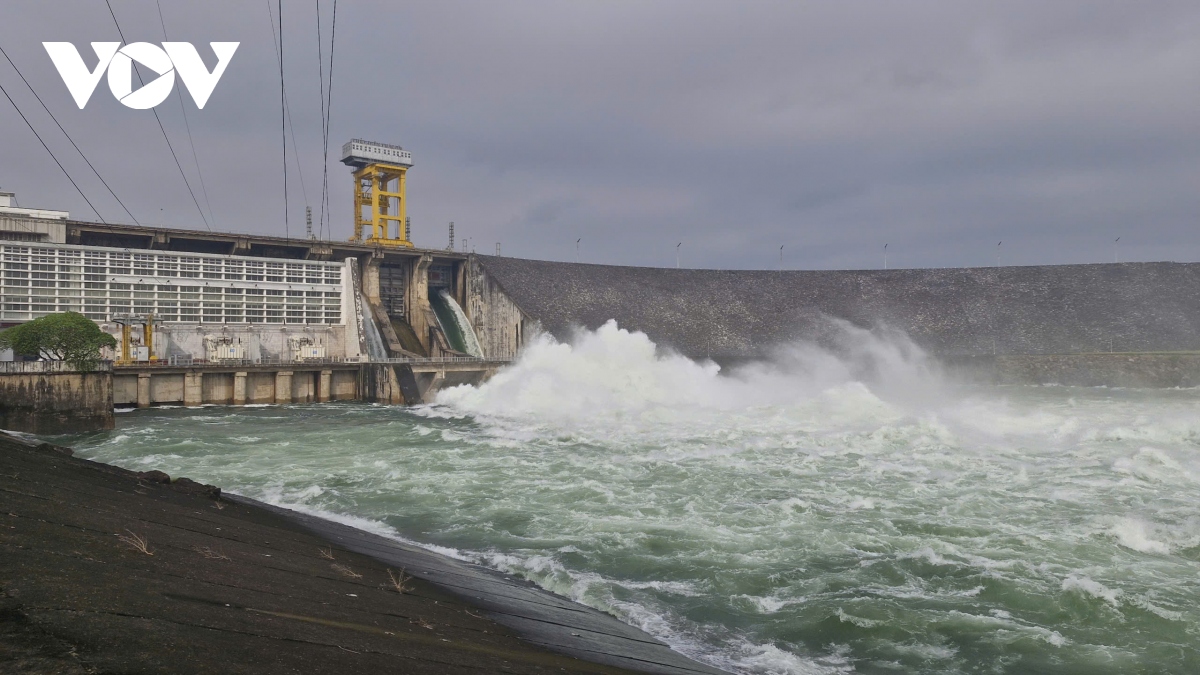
{"x": 1115, "y": 258}
{"x": 577, "y": 248}
{"x": 885, "y": 256}
{"x": 781, "y": 257}
{"x": 998, "y": 253}
{"x": 677, "y": 254}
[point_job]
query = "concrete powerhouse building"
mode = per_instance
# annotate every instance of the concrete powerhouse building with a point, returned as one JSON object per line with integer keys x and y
{"x": 247, "y": 319}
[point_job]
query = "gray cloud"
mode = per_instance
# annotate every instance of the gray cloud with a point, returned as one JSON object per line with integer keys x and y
{"x": 832, "y": 128}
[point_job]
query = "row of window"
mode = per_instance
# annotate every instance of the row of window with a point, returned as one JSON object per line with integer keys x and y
{"x": 249, "y": 314}
{"x": 38, "y": 280}
{"x": 9, "y": 252}
{"x": 17, "y": 270}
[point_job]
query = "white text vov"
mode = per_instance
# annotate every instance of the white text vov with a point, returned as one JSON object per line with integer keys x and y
{"x": 171, "y": 58}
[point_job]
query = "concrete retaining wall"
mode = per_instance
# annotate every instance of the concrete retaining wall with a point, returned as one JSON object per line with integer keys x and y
{"x": 497, "y": 320}
{"x": 53, "y": 398}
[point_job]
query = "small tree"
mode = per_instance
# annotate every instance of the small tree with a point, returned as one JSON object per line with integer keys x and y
{"x": 70, "y": 337}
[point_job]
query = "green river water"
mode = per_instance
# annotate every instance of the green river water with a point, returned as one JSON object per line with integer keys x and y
{"x": 821, "y": 513}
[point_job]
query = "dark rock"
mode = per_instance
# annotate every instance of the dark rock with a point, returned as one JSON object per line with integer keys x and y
{"x": 57, "y": 449}
{"x": 154, "y": 476}
{"x": 192, "y": 487}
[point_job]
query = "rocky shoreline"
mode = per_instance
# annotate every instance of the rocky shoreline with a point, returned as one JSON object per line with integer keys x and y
{"x": 104, "y": 570}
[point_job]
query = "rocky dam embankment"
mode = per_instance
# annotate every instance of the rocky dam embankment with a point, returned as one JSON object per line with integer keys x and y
{"x": 987, "y": 317}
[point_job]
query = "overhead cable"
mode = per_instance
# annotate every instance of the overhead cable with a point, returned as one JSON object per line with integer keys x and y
{"x": 283, "y": 120}
{"x": 328, "y": 93}
{"x": 64, "y": 131}
{"x": 162, "y": 128}
{"x": 188, "y": 126}
{"x": 321, "y": 84}
{"x": 51, "y": 153}
{"x": 290, "y": 123}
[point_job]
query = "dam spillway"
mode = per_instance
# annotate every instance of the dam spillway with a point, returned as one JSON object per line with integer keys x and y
{"x": 454, "y": 324}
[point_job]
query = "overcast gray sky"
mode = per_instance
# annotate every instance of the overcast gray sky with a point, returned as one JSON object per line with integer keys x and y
{"x": 831, "y": 128}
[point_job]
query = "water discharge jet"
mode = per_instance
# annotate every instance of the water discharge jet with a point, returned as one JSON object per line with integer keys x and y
{"x": 454, "y": 324}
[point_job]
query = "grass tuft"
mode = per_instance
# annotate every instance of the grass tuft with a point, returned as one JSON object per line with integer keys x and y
{"x": 137, "y": 541}
{"x": 210, "y": 553}
{"x": 400, "y": 581}
{"x": 346, "y": 571}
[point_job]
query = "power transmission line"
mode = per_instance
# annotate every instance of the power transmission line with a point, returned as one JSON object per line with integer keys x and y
{"x": 328, "y": 108}
{"x": 64, "y": 170}
{"x": 162, "y": 128}
{"x": 188, "y": 126}
{"x": 283, "y": 121}
{"x": 321, "y": 84}
{"x": 60, "y": 128}
{"x": 291, "y": 124}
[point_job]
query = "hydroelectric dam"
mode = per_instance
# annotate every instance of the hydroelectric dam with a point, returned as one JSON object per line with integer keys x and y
{"x": 227, "y": 318}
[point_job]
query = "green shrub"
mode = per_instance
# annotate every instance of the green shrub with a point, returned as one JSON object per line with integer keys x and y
{"x": 69, "y": 337}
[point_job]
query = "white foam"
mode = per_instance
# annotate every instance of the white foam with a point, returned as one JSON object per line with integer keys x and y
{"x": 772, "y": 660}
{"x": 861, "y": 622}
{"x": 276, "y": 498}
{"x": 1138, "y": 534}
{"x": 614, "y": 380}
{"x": 926, "y": 651}
{"x": 1086, "y": 586}
{"x": 769, "y": 604}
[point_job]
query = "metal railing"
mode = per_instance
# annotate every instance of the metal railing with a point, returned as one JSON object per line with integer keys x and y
{"x": 441, "y": 359}
{"x": 189, "y": 361}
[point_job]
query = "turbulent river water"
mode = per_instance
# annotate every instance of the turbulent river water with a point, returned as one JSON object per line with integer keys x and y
{"x": 829, "y": 511}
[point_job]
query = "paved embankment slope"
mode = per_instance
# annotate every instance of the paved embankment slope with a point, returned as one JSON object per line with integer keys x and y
{"x": 1052, "y": 309}
{"x": 237, "y": 587}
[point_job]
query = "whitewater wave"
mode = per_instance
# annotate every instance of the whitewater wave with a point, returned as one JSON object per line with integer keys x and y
{"x": 613, "y": 375}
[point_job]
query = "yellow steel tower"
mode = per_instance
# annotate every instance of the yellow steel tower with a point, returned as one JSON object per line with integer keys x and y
{"x": 379, "y": 201}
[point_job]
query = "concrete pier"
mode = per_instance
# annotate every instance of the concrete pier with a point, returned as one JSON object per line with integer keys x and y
{"x": 324, "y": 386}
{"x": 145, "y": 385}
{"x": 148, "y": 385}
{"x": 283, "y": 386}
{"x": 239, "y": 388}
{"x": 52, "y": 397}
{"x": 143, "y": 390}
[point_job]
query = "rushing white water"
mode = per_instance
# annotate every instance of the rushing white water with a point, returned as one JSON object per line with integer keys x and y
{"x": 376, "y": 348}
{"x": 461, "y": 326}
{"x": 830, "y": 511}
